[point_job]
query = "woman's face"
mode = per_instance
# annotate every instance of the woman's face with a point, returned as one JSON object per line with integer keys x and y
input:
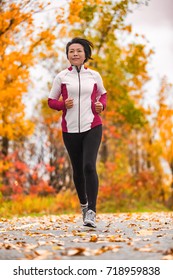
{"x": 76, "y": 54}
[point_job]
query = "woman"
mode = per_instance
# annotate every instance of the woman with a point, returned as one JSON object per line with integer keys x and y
{"x": 83, "y": 99}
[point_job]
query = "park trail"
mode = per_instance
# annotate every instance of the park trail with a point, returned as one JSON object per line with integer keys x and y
{"x": 119, "y": 236}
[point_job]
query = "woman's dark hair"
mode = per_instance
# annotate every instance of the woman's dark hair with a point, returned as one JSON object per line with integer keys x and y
{"x": 85, "y": 43}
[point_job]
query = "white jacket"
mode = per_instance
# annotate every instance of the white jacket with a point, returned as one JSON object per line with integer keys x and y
{"x": 85, "y": 87}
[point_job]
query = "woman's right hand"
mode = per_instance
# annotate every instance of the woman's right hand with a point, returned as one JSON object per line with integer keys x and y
{"x": 69, "y": 103}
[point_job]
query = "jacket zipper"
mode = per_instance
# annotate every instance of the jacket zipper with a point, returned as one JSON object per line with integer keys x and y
{"x": 78, "y": 70}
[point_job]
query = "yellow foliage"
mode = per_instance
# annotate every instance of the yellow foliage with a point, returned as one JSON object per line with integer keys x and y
{"x": 74, "y": 10}
{"x": 76, "y": 7}
{"x": 164, "y": 121}
{"x": 19, "y": 41}
{"x": 128, "y": 28}
{"x": 63, "y": 32}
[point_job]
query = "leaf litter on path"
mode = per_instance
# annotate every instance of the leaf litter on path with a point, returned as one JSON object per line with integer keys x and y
{"x": 119, "y": 235}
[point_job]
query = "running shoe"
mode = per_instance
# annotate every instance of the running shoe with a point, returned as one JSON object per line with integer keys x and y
{"x": 90, "y": 218}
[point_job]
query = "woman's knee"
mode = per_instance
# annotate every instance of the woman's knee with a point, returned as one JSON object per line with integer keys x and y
{"x": 89, "y": 168}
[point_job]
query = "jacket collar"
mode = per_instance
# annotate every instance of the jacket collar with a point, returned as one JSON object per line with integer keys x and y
{"x": 75, "y": 69}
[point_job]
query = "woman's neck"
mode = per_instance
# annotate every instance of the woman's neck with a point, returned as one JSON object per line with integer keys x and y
{"x": 78, "y": 67}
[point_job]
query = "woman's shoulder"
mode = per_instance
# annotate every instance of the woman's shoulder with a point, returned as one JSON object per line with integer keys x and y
{"x": 61, "y": 74}
{"x": 95, "y": 73}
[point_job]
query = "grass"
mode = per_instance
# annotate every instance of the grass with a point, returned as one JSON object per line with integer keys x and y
{"x": 67, "y": 203}
{"x": 109, "y": 207}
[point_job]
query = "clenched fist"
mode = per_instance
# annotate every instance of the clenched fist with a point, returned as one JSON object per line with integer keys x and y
{"x": 69, "y": 103}
{"x": 98, "y": 107}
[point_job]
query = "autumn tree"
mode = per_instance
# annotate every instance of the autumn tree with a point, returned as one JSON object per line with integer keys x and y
{"x": 163, "y": 128}
{"x": 164, "y": 122}
{"x": 21, "y": 46}
{"x": 18, "y": 50}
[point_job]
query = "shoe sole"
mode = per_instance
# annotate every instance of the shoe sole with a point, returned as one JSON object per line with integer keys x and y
{"x": 89, "y": 224}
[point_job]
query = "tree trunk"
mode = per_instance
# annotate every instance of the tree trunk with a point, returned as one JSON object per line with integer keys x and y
{"x": 137, "y": 168}
{"x": 4, "y": 150}
{"x": 5, "y": 146}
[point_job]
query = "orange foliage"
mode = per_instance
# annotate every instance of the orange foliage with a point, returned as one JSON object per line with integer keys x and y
{"x": 42, "y": 188}
{"x": 21, "y": 46}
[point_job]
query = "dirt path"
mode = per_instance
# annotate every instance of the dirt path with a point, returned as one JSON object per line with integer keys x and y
{"x": 125, "y": 236}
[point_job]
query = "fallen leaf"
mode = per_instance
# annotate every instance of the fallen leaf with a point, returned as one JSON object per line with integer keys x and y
{"x": 105, "y": 230}
{"x": 116, "y": 238}
{"x": 40, "y": 252}
{"x": 104, "y": 249}
{"x": 73, "y": 251}
{"x": 57, "y": 247}
{"x": 93, "y": 238}
{"x": 132, "y": 225}
{"x": 168, "y": 252}
{"x": 144, "y": 232}
{"x": 144, "y": 249}
{"x": 41, "y": 243}
{"x": 76, "y": 233}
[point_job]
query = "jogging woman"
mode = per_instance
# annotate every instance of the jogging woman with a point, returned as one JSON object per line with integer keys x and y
{"x": 79, "y": 93}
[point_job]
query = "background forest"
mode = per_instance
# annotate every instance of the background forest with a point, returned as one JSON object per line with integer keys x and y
{"x": 35, "y": 172}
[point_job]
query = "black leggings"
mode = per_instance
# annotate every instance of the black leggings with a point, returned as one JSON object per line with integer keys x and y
{"x": 82, "y": 149}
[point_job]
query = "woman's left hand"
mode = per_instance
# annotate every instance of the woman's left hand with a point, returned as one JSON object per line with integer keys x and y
{"x": 98, "y": 107}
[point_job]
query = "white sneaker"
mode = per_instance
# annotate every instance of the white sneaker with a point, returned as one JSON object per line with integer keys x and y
{"x": 90, "y": 218}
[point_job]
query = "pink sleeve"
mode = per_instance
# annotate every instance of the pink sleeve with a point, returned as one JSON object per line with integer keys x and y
{"x": 103, "y": 100}
{"x": 56, "y": 104}
{"x": 54, "y": 95}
